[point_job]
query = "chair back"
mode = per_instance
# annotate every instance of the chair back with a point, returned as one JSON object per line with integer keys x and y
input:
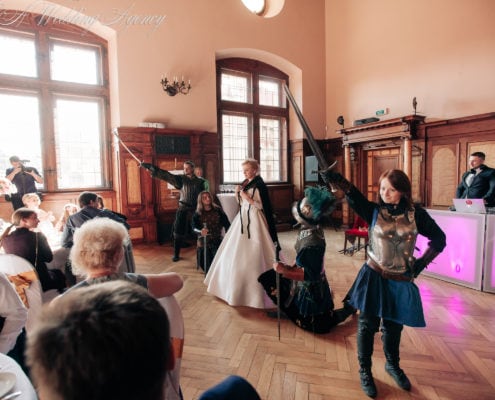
{"x": 128, "y": 264}
{"x": 174, "y": 312}
{"x": 12, "y": 265}
{"x": 359, "y": 223}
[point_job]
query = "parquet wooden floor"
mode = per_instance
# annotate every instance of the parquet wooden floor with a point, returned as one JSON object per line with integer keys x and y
{"x": 452, "y": 358}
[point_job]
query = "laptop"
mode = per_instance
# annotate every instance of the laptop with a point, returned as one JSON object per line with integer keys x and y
{"x": 476, "y": 206}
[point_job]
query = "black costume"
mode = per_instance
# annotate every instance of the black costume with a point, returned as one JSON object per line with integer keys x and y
{"x": 24, "y": 183}
{"x": 76, "y": 220}
{"x": 190, "y": 188}
{"x": 478, "y": 185}
{"x": 307, "y": 303}
{"x": 214, "y": 220}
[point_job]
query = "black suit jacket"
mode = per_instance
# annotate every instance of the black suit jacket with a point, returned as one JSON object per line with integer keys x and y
{"x": 482, "y": 187}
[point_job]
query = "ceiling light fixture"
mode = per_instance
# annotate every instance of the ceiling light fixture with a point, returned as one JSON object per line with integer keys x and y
{"x": 255, "y": 6}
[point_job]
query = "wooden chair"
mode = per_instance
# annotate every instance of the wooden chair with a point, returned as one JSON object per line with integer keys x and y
{"x": 172, "y": 380}
{"x": 354, "y": 235}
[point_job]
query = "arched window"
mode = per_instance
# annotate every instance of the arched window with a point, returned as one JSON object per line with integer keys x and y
{"x": 54, "y": 100}
{"x": 252, "y": 118}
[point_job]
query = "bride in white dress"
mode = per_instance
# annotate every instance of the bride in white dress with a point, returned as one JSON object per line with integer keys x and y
{"x": 248, "y": 248}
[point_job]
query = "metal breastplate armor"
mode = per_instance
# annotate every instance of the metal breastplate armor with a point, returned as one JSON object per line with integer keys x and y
{"x": 310, "y": 237}
{"x": 191, "y": 188}
{"x": 392, "y": 241}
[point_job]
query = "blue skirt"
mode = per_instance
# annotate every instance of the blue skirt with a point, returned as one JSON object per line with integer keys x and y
{"x": 398, "y": 301}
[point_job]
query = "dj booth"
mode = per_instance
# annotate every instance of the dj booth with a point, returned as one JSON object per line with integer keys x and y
{"x": 469, "y": 257}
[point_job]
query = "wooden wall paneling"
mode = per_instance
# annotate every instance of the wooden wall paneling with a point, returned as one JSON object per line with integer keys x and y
{"x": 384, "y": 145}
{"x": 211, "y": 161}
{"x": 297, "y": 170}
{"x": 448, "y": 146}
{"x": 418, "y": 175}
{"x": 378, "y": 162}
{"x": 282, "y": 200}
{"x": 133, "y": 184}
{"x": 444, "y": 178}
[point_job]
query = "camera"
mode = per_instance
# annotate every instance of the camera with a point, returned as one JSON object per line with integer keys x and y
{"x": 26, "y": 169}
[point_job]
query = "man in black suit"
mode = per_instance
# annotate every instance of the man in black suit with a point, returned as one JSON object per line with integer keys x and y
{"x": 478, "y": 182}
{"x": 88, "y": 202}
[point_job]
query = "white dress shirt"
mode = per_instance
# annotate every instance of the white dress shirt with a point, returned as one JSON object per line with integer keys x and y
{"x": 15, "y": 314}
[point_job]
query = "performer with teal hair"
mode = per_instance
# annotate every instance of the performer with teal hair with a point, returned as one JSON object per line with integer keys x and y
{"x": 305, "y": 295}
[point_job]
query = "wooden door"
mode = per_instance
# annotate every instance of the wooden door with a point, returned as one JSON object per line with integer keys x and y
{"x": 379, "y": 161}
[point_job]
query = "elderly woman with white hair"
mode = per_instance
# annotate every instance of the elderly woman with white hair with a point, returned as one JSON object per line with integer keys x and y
{"x": 97, "y": 254}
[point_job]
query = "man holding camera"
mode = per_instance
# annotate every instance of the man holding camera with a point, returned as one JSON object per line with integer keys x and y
{"x": 24, "y": 178}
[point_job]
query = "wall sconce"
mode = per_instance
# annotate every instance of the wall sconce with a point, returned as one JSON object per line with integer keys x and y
{"x": 175, "y": 86}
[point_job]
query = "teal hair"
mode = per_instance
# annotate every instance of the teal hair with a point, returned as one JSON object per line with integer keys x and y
{"x": 321, "y": 200}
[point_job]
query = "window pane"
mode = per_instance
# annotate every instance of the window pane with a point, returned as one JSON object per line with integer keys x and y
{"x": 236, "y": 87}
{"x": 269, "y": 92}
{"x": 270, "y": 146}
{"x": 74, "y": 64}
{"x": 235, "y": 146}
{"x": 20, "y": 131}
{"x": 78, "y": 144}
{"x": 19, "y": 56}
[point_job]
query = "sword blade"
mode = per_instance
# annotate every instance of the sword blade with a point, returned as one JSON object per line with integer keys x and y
{"x": 277, "y": 284}
{"x": 125, "y": 146}
{"x": 322, "y": 162}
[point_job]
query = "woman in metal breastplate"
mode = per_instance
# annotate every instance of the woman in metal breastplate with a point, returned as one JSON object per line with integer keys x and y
{"x": 384, "y": 290}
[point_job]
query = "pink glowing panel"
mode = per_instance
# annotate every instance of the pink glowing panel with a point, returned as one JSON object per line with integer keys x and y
{"x": 489, "y": 267}
{"x": 461, "y": 261}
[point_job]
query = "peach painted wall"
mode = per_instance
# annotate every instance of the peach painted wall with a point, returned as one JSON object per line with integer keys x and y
{"x": 187, "y": 41}
{"x": 382, "y": 53}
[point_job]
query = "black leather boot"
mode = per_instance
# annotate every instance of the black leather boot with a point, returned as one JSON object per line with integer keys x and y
{"x": 343, "y": 313}
{"x": 367, "y": 326}
{"x": 399, "y": 376}
{"x": 367, "y": 382}
{"x": 391, "y": 342}
{"x": 177, "y": 246}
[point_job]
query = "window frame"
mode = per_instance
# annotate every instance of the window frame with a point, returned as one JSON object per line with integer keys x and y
{"x": 256, "y": 69}
{"x": 46, "y": 33}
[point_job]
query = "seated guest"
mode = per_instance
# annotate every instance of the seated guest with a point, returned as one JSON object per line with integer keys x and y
{"x": 208, "y": 221}
{"x": 68, "y": 210}
{"x": 102, "y": 342}
{"x": 32, "y": 246}
{"x": 88, "y": 202}
{"x": 125, "y": 349}
{"x": 98, "y": 251}
{"x": 101, "y": 206}
{"x": 33, "y": 201}
{"x": 13, "y": 316}
{"x": 22, "y": 382}
{"x": 305, "y": 295}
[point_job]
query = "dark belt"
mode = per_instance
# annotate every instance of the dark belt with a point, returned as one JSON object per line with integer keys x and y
{"x": 386, "y": 274}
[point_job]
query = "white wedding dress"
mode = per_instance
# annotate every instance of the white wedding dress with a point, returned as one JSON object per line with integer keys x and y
{"x": 242, "y": 256}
